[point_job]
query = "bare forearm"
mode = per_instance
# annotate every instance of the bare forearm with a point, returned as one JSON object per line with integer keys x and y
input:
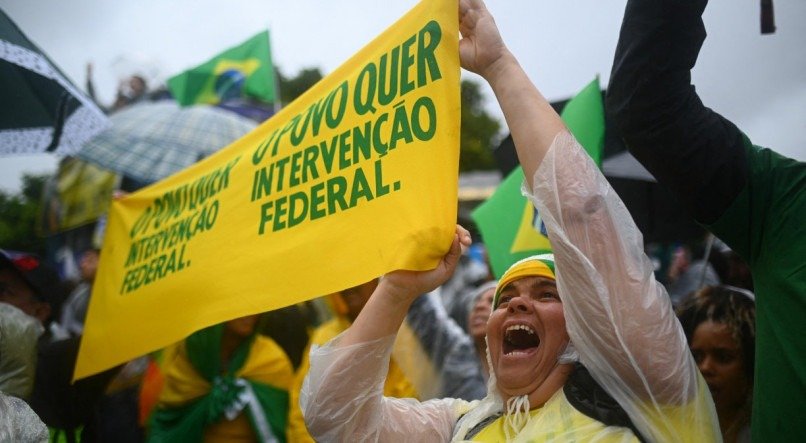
{"x": 381, "y": 317}
{"x": 531, "y": 119}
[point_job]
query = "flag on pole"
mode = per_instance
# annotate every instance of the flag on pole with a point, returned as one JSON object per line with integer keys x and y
{"x": 510, "y": 225}
{"x": 242, "y": 71}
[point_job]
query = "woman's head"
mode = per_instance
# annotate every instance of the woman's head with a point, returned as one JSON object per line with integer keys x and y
{"x": 526, "y": 332}
{"x": 719, "y": 323}
{"x": 241, "y": 327}
{"x": 480, "y": 311}
{"x": 349, "y": 302}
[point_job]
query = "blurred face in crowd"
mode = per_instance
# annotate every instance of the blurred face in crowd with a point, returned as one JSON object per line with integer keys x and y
{"x": 14, "y": 291}
{"x": 242, "y": 327}
{"x": 477, "y": 320}
{"x": 89, "y": 265}
{"x": 356, "y": 297}
{"x": 526, "y": 334}
{"x": 719, "y": 357}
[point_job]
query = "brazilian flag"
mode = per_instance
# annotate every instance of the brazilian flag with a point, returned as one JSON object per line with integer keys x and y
{"x": 242, "y": 71}
{"x": 510, "y": 226}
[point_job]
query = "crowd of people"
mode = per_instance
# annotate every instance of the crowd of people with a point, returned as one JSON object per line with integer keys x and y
{"x": 586, "y": 343}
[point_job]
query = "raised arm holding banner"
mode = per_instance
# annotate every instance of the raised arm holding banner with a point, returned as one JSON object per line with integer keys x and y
{"x": 356, "y": 178}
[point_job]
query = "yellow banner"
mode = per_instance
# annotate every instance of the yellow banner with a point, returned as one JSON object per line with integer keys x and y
{"x": 79, "y": 194}
{"x": 356, "y": 178}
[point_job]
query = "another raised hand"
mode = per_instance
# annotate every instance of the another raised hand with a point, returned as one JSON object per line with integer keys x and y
{"x": 481, "y": 46}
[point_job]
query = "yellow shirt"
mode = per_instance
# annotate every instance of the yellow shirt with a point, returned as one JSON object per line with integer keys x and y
{"x": 559, "y": 421}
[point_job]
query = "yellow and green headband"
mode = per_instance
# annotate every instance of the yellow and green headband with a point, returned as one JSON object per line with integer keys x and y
{"x": 535, "y": 266}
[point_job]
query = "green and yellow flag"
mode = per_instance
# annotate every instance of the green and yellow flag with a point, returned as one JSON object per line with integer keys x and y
{"x": 510, "y": 226}
{"x": 354, "y": 179}
{"x": 243, "y": 71}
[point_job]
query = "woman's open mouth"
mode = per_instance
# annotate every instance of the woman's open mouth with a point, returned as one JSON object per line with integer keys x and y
{"x": 520, "y": 339}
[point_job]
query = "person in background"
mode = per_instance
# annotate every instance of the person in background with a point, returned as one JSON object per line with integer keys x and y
{"x": 67, "y": 408}
{"x": 131, "y": 90}
{"x": 346, "y": 304}
{"x": 752, "y": 198}
{"x": 472, "y": 271}
{"x": 19, "y": 333}
{"x": 25, "y": 311}
{"x": 482, "y": 298}
{"x": 28, "y": 284}
{"x": 432, "y": 358}
{"x": 690, "y": 270}
{"x": 720, "y": 325}
{"x": 224, "y": 383}
{"x": 74, "y": 309}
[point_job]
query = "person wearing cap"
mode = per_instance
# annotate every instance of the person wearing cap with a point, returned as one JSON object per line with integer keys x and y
{"x": 24, "y": 312}
{"x": 26, "y": 287}
{"x": 583, "y": 345}
{"x": 34, "y": 288}
{"x": 28, "y": 284}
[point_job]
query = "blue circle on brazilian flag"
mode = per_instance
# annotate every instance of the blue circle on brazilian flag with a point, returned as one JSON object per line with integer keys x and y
{"x": 229, "y": 84}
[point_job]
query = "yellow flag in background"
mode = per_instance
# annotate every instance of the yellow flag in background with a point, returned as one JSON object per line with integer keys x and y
{"x": 356, "y": 178}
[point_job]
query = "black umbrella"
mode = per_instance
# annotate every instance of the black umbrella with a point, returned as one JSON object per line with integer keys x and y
{"x": 41, "y": 110}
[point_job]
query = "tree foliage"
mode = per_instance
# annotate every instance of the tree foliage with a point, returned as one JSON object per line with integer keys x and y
{"x": 478, "y": 130}
{"x": 18, "y": 216}
{"x": 293, "y": 87}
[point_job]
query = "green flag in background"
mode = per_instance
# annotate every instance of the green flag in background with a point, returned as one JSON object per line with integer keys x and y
{"x": 510, "y": 226}
{"x": 243, "y": 71}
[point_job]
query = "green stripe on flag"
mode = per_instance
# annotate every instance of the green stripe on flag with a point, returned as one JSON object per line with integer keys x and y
{"x": 242, "y": 71}
{"x": 506, "y": 220}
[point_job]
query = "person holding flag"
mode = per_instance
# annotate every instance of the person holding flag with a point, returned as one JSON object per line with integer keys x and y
{"x": 583, "y": 344}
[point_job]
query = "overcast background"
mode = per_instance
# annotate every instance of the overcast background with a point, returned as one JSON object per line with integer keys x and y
{"x": 757, "y": 81}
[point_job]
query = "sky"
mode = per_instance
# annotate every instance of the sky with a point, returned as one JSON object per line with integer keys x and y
{"x": 758, "y": 82}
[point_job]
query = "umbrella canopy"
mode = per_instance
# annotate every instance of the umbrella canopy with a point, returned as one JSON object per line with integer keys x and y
{"x": 151, "y": 141}
{"x": 42, "y": 111}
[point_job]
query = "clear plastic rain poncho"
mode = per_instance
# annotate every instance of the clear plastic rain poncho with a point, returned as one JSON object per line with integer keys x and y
{"x": 619, "y": 320}
{"x": 18, "y": 422}
{"x": 436, "y": 354}
{"x": 19, "y": 334}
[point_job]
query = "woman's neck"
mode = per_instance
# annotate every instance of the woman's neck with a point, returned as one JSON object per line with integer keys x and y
{"x": 553, "y": 383}
{"x": 229, "y": 343}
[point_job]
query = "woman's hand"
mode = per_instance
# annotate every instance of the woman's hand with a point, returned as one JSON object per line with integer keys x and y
{"x": 481, "y": 46}
{"x": 405, "y": 286}
{"x": 384, "y": 312}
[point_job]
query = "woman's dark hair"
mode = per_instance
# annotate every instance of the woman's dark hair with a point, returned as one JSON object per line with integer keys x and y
{"x": 731, "y": 306}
